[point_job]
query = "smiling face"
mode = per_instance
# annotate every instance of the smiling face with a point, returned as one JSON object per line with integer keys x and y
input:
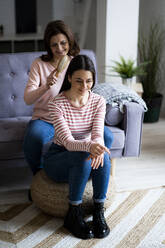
{"x": 81, "y": 82}
{"x": 59, "y": 45}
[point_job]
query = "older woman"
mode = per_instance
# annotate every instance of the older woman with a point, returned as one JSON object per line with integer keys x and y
{"x": 44, "y": 84}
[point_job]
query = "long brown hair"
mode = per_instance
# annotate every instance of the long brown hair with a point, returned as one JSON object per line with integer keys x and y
{"x": 59, "y": 27}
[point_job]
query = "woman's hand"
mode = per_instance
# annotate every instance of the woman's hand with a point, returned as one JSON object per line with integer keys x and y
{"x": 97, "y": 149}
{"x": 51, "y": 79}
{"x": 97, "y": 161}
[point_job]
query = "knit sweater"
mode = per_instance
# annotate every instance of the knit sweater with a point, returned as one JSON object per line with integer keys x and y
{"x": 39, "y": 72}
{"x": 77, "y": 127}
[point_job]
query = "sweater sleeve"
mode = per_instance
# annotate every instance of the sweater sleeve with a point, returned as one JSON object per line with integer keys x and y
{"x": 62, "y": 131}
{"x": 98, "y": 123}
{"x": 34, "y": 76}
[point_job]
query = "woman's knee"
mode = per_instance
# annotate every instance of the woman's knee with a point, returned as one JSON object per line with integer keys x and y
{"x": 107, "y": 161}
{"x": 108, "y": 137}
{"x": 35, "y": 134}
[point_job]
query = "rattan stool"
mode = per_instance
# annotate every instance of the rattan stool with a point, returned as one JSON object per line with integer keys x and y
{"x": 52, "y": 198}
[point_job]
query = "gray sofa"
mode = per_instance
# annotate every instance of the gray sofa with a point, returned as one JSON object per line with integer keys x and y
{"x": 15, "y": 114}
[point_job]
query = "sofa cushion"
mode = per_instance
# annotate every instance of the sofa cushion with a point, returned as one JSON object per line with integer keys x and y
{"x": 12, "y": 132}
{"x": 11, "y": 150}
{"x": 11, "y": 137}
{"x": 119, "y": 138}
{"x": 14, "y": 70}
{"x": 113, "y": 115}
{"x": 13, "y": 129}
{"x": 14, "y": 150}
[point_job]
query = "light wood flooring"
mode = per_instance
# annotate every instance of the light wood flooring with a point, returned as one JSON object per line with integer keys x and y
{"x": 148, "y": 170}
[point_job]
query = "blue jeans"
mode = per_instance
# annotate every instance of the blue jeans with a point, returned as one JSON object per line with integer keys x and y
{"x": 74, "y": 168}
{"x": 40, "y": 132}
{"x": 37, "y": 134}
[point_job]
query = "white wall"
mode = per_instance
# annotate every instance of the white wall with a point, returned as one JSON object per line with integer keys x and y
{"x": 75, "y": 14}
{"x": 90, "y": 42}
{"x": 101, "y": 38}
{"x": 122, "y": 31}
{"x": 117, "y": 33}
{"x": 63, "y": 10}
{"x": 44, "y": 14}
{"x": 147, "y": 13}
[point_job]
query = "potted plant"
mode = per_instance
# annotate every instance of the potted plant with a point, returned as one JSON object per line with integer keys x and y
{"x": 127, "y": 69}
{"x": 150, "y": 48}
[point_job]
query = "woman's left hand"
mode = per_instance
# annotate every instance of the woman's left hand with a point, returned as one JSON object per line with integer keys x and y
{"x": 97, "y": 161}
{"x": 51, "y": 79}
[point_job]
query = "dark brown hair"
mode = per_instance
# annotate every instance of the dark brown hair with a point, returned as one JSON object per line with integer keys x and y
{"x": 79, "y": 62}
{"x": 59, "y": 27}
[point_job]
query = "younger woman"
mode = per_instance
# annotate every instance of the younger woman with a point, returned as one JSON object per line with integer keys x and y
{"x": 78, "y": 151}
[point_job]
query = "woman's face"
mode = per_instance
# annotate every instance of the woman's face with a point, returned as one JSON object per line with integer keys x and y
{"x": 59, "y": 45}
{"x": 81, "y": 82}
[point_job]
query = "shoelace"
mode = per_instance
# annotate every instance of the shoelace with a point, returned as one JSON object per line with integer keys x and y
{"x": 79, "y": 214}
{"x": 100, "y": 217}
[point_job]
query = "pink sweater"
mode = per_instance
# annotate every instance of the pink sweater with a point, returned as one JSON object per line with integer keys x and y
{"x": 39, "y": 72}
{"x": 76, "y": 128}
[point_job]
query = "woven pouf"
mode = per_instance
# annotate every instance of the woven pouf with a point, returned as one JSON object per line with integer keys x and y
{"x": 52, "y": 198}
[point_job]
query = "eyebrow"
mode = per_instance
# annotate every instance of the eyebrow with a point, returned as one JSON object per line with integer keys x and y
{"x": 54, "y": 43}
{"x": 87, "y": 78}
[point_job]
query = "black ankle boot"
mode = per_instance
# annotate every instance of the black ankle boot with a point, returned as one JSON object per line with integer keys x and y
{"x": 75, "y": 223}
{"x": 100, "y": 227}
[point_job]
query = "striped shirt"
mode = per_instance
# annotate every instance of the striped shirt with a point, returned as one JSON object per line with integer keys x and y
{"x": 76, "y": 128}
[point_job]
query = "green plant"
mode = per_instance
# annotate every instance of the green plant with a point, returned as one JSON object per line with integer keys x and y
{"x": 127, "y": 69}
{"x": 150, "y": 48}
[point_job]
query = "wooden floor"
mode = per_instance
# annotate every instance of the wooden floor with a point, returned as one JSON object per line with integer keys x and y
{"x": 148, "y": 170}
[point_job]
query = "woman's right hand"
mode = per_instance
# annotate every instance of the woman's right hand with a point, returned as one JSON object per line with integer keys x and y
{"x": 97, "y": 149}
{"x": 97, "y": 161}
{"x": 51, "y": 79}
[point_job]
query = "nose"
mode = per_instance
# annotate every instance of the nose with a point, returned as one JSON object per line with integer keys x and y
{"x": 59, "y": 47}
{"x": 83, "y": 84}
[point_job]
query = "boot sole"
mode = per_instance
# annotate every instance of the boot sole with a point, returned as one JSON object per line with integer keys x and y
{"x": 89, "y": 236}
{"x": 101, "y": 236}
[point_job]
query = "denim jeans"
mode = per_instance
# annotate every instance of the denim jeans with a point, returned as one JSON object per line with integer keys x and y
{"x": 38, "y": 133}
{"x": 74, "y": 168}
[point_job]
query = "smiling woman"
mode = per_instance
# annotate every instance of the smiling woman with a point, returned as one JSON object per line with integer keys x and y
{"x": 78, "y": 151}
{"x": 59, "y": 46}
{"x": 43, "y": 84}
{"x": 81, "y": 83}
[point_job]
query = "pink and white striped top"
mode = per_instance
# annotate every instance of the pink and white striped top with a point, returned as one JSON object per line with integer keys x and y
{"x": 76, "y": 128}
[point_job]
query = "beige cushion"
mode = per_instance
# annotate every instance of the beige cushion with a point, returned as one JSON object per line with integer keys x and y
{"x": 52, "y": 198}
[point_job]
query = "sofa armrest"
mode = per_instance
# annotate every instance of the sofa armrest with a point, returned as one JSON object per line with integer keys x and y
{"x": 132, "y": 126}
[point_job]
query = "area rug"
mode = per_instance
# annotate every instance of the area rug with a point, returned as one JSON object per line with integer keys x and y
{"x": 136, "y": 220}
